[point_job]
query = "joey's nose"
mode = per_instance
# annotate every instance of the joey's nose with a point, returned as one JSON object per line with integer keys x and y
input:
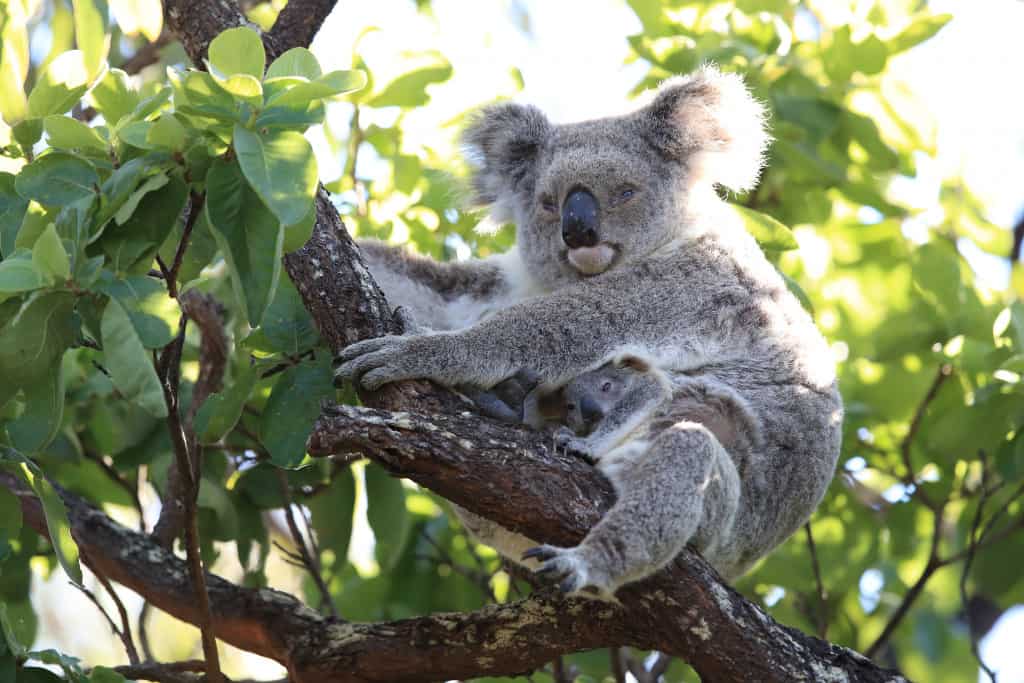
{"x": 579, "y": 220}
{"x": 590, "y": 411}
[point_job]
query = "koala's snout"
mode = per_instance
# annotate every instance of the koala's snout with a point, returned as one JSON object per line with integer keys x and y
{"x": 590, "y": 411}
{"x": 579, "y": 219}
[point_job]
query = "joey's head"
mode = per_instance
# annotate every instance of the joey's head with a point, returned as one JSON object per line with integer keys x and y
{"x": 588, "y": 196}
{"x": 627, "y": 384}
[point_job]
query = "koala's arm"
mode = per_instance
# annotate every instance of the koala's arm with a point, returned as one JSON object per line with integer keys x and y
{"x": 637, "y": 407}
{"x": 668, "y": 489}
{"x": 437, "y": 295}
{"x": 558, "y": 336}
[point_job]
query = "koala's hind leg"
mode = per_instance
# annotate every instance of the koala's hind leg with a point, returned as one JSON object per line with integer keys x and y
{"x": 682, "y": 481}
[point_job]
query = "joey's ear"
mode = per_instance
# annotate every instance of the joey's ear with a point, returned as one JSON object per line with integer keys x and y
{"x": 635, "y": 363}
{"x": 502, "y": 143}
{"x": 710, "y": 120}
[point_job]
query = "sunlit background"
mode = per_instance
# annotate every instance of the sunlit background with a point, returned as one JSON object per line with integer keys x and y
{"x": 570, "y": 59}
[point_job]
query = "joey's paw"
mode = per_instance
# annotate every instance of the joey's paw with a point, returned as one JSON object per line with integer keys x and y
{"x": 566, "y": 439}
{"x": 575, "y": 574}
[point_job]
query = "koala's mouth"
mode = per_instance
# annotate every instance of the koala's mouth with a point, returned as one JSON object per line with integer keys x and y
{"x": 592, "y": 260}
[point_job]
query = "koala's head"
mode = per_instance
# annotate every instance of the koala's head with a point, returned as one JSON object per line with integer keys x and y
{"x": 625, "y": 385}
{"x": 587, "y": 196}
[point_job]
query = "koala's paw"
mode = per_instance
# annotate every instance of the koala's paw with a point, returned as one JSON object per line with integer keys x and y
{"x": 566, "y": 439}
{"x": 373, "y": 363}
{"x": 573, "y": 572}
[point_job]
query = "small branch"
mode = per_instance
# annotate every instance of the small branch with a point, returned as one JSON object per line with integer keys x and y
{"x": 931, "y": 566}
{"x": 618, "y": 664}
{"x": 1018, "y": 241}
{"x": 125, "y": 632}
{"x": 941, "y": 375}
{"x": 196, "y": 201}
{"x": 169, "y": 672}
{"x": 309, "y": 562}
{"x": 972, "y": 541}
{"x": 148, "y": 54}
{"x": 822, "y": 617}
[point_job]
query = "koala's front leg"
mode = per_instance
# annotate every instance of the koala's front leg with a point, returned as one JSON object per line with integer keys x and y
{"x": 682, "y": 478}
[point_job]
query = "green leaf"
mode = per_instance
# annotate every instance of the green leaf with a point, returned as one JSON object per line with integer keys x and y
{"x": 281, "y": 168}
{"x": 152, "y": 313}
{"x": 41, "y": 417}
{"x": 60, "y": 85}
{"x": 768, "y": 232}
{"x": 57, "y": 179}
{"x": 332, "y": 512}
{"x": 127, "y": 210}
{"x": 12, "y": 212}
{"x": 297, "y": 234}
{"x": 293, "y": 406}
{"x": 248, "y": 235}
{"x": 410, "y": 89}
{"x": 130, "y": 365}
{"x": 295, "y": 118}
{"x": 14, "y": 61}
{"x": 27, "y": 133}
{"x": 385, "y": 510}
{"x": 137, "y": 240}
{"x": 66, "y": 132}
{"x": 10, "y": 514}
{"x": 220, "y": 412}
{"x": 242, "y": 87}
{"x": 101, "y": 674}
{"x": 34, "y": 340}
{"x": 297, "y": 61}
{"x": 918, "y": 32}
{"x": 167, "y": 133}
{"x": 114, "y": 97}
{"x": 328, "y": 85}
{"x": 57, "y": 525}
{"x": 287, "y": 326}
{"x": 649, "y": 12}
{"x": 238, "y": 51}
{"x": 18, "y": 275}
{"x": 91, "y": 33}
{"x": 49, "y": 257}
{"x": 139, "y": 16}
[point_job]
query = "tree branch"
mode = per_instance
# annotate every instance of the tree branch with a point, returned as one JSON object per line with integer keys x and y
{"x": 297, "y": 24}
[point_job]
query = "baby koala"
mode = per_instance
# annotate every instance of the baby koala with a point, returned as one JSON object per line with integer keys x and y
{"x": 637, "y": 423}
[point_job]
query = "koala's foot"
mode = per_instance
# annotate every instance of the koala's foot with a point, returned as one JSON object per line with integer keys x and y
{"x": 566, "y": 439}
{"x": 574, "y": 572}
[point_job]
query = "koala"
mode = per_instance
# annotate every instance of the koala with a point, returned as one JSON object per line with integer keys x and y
{"x": 624, "y": 416}
{"x": 622, "y": 241}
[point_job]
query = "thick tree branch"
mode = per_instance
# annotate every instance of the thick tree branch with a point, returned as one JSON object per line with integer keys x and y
{"x": 297, "y": 24}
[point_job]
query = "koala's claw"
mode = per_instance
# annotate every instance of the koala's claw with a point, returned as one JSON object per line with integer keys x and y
{"x": 373, "y": 363}
{"x": 571, "y": 570}
{"x": 567, "y": 440}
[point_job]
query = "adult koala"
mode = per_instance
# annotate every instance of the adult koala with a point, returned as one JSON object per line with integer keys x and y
{"x": 623, "y": 241}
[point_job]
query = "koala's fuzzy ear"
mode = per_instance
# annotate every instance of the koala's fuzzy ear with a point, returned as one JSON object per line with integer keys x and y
{"x": 502, "y": 143}
{"x": 710, "y": 120}
{"x": 635, "y": 363}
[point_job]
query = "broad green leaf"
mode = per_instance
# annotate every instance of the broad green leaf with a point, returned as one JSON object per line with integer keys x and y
{"x": 34, "y": 340}
{"x": 137, "y": 240}
{"x": 297, "y": 61}
{"x": 768, "y": 232}
{"x": 136, "y": 134}
{"x": 918, "y": 32}
{"x": 153, "y": 314}
{"x": 131, "y": 204}
{"x": 49, "y": 257}
{"x": 297, "y": 234}
{"x": 287, "y": 326}
{"x": 139, "y": 16}
{"x": 57, "y": 525}
{"x": 293, "y": 406}
{"x": 281, "y": 168}
{"x": 220, "y": 412}
{"x": 649, "y": 12}
{"x": 385, "y": 510}
{"x": 10, "y": 514}
{"x": 328, "y": 85}
{"x": 208, "y": 98}
{"x": 410, "y": 89}
{"x": 91, "y": 33}
{"x": 14, "y": 61}
{"x": 238, "y": 51}
{"x": 242, "y": 87}
{"x": 101, "y": 674}
{"x": 18, "y": 275}
{"x": 114, "y": 96}
{"x": 294, "y": 118}
{"x": 41, "y": 417}
{"x": 60, "y": 85}
{"x": 332, "y": 512}
{"x": 167, "y": 133}
{"x": 27, "y": 133}
{"x": 248, "y": 234}
{"x": 66, "y": 132}
{"x": 12, "y": 212}
{"x": 130, "y": 364}
{"x": 57, "y": 179}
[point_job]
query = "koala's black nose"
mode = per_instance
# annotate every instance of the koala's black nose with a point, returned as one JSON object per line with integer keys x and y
{"x": 590, "y": 411}
{"x": 579, "y": 220}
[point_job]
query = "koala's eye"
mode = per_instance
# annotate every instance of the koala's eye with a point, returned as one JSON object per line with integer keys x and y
{"x": 624, "y": 194}
{"x": 606, "y": 387}
{"x": 548, "y": 204}
{"x": 627, "y": 193}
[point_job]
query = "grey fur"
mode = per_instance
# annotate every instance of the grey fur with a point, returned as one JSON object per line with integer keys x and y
{"x": 676, "y": 277}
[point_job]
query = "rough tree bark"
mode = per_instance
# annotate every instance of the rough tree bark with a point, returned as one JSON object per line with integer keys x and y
{"x": 504, "y": 473}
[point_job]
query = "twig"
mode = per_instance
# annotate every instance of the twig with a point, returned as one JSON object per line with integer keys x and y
{"x": 933, "y": 564}
{"x": 196, "y": 201}
{"x": 147, "y": 651}
{"x": 972, "y": 539}
{"x": 941, "y": 375}
{"x": 558, "y": 671}
{"x": 148, "y": 54}
{"x": 822, "y": 617}
{"x": 170, "y": 362}
{"x": 126, "y": 629}
{"x": 618, "y": 664}
{"x": 308, "y": 561}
